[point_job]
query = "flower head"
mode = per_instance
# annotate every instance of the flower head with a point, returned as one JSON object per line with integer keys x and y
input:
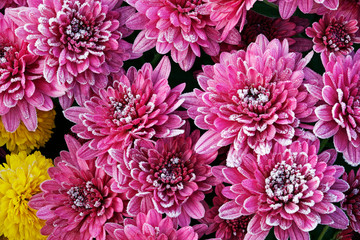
{"x": 227, "y": 14}
{"x": 334, "y": 34}
{"x": 77, "y": 202}
{"x": 20, "y": 179}
{"x": 252, "y": 98}
{"x": 25, "y": 140}
{"x": 178, "y": 26}
{"x": 271, "y": 28}
{"x": 347, "y": 234}
{"x": 139, "y": 104}
{"x": 291, "y": 189}
{"x": 275, "y": 28}
{"x": 81, "y": 40}
{"x": 150, "y": 226}
{"x": 339, "y": 115}
{"x": 351, "y": 203}
{"x": 226, "y": 229}
{"x": 166, "y": 175}
{"x": 23, "y": 90}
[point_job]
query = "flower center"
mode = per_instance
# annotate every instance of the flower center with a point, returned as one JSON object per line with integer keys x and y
{"x": 239, "y": 225}
{"x": 84, "y": 197}
{"x": 286, "y": 182}
{"x": 81, "y": 31}
{"x": 6, "y": 53}
{"x": 336, "y": 37}
{"x": 173, "y": 172}
{"x": 254, "y": 96}
{"x": 124, "y": 109}
{"x": 78, "y": 29}
{"x": 259, "y": 25}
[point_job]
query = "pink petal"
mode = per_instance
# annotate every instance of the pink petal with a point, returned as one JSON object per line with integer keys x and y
{"x": 142, "y": 44}
{"x": 229, "y": 210}
{"x": 194, "y": 208}
{"x": 324, "y": 129}
{"x": 208, "y": 142}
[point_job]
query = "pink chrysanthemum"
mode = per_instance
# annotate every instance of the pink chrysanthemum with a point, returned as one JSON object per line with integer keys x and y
{"x": 81, "y": 40}
{"x": 351, "y": 203}
{"x": 226, "y": 229}
{"x": 276, "y": 28}
{"x": 178, "y": 26}
{"x": 339, "y": 115}
{"x": 139, "y": 104}
{"x": 149, "y": 226}
{"x": 227, "y": 14}
{"x": 272, "y": 28}
{"x": 166, "y": 175}
{"x": 287, "y": 7}
{"x": 23, "y": 90}
{"x": 252, "y": 98}
{"x": 332, "y": 34}
{"x": 291, "y": 189}
{"x": 347, "y": 234}
{"x": 78, "y": 201}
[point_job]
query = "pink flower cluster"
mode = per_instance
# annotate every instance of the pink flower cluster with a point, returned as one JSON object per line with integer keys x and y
{"x": 254, "y": 146}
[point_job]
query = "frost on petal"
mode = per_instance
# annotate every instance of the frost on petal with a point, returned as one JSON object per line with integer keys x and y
{"x": 243, "y": 105}
{"x": 78, "y": 195}
{"x": 208, "y": 142}
{"x": 291, "y": 189}
{"x": 326, "y": 129}
{"x": 230, "y": 210}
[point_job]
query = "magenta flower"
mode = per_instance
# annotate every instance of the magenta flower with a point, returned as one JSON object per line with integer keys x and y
{"x": 291, "y": 189}
{"x": 339, "y": 115}
{"x": 81, "y": 40}
{"x": 332, "y": 34}
{"x": 252, "y": 98}
{"x": 272, "y": 28}
{"x": 275, "y": 28}
{"x": 351, "y": 203}
{"x": 347, "y": 8}
{"x": 227, "y": 14}
{"x": 287, "y": 7}
{"x": 178, "y": 26}
{"x": 23, "y": 90}
{"x": 166, "y": 175}
{"x": 226, "y": 229}
{"x": 347, "y": 234}
{"x": 140, "y": 104}
{"x": 78, "y": 201}
{"x": 149, "y": 226}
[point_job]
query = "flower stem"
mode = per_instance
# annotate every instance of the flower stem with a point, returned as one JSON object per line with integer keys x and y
{"x": 273, "y": 5}
{"x": 322, "y": 234}
{"x": 156, "y": 59}
{"x": 323, "y": 144}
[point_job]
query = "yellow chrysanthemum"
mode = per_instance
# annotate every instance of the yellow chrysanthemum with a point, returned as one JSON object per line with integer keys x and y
{"x": 20, "y": 179}
{"x": 25, "y": 140}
